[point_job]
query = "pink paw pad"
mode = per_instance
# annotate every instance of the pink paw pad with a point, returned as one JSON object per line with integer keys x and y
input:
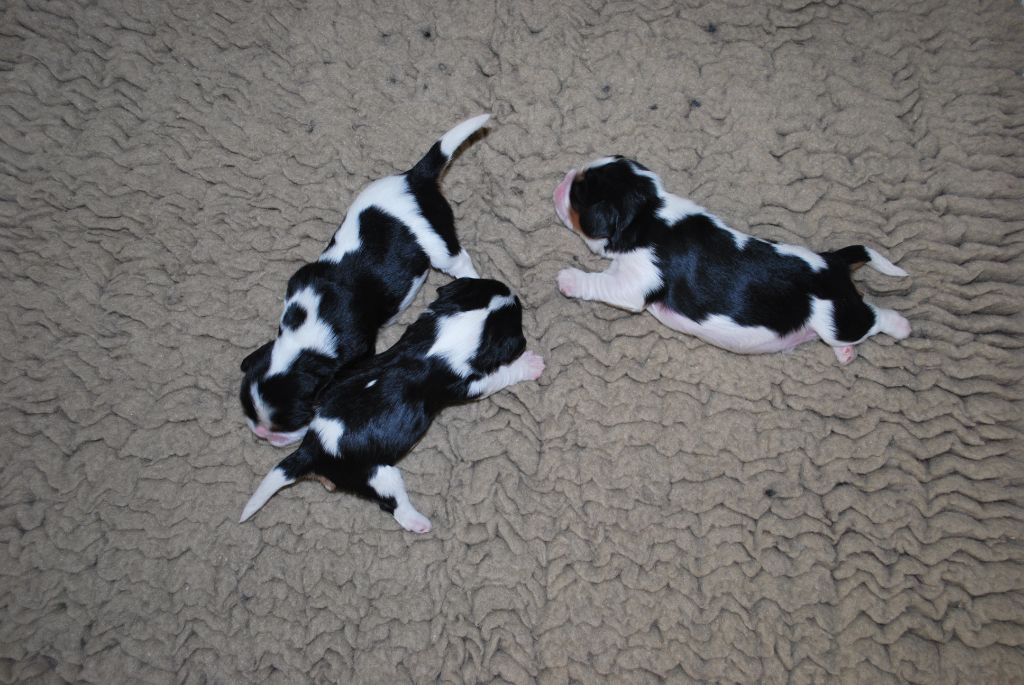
{"x": 846, "y": 354}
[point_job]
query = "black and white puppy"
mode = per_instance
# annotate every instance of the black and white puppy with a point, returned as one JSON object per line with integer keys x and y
{"x": 396, "y": 229}
{"x": 467, "y": 345}
{"x": 698, "y": 276}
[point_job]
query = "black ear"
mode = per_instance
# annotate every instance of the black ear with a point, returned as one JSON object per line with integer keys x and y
{"x": 603, "y": 220}
{"x": 501, "y": 341}
{"x": 253, "y": 357}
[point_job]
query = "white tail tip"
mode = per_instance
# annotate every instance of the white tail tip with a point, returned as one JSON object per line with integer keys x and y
{"x": 880, "y": 263}
{"x": 451, "y": 141}
{"x": 272, "y": 482}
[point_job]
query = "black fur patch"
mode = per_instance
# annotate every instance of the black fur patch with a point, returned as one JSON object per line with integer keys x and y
{"x": 609, "y": 199}
{"x": 294, "y": 316}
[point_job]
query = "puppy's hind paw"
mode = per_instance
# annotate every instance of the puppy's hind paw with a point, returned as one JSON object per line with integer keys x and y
{"x": 845, "y": 354}
{"x": 531, "y": 365}
{"x": 570, "y": 282}
{"x": 412, "y": 520}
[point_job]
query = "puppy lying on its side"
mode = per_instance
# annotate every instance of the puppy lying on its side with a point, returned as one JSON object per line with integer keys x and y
{"x": 467, "y": 345}
{"x": 698, "y": 276}
{"x": 396, "y": 229}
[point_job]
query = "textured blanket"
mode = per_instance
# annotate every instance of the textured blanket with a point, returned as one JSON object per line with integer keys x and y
{"x": 654, "y": 509}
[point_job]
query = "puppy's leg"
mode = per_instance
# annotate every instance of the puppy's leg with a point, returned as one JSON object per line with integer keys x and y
{"x": 459, "y": 266}
{"x": 841, "y": 325}
{"x": 528, "y": 367}
{"x": 389, "y": 488}
{"x": 845, "y": 323}
{"x": 610, "y": 287}
{"x": 626, "y": 283}
{"x": 891, "y": 323}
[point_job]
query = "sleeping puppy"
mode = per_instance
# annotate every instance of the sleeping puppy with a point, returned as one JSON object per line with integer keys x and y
{"x": 698, "y": 276}
{"x": 467, "y": 345}
{"x": 396, "y": 229}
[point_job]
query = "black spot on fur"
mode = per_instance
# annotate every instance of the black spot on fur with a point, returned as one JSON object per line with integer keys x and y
{"x": 711, "y": 28}
{"x": 294, "y": 316}
{"x": 695, "y": 103}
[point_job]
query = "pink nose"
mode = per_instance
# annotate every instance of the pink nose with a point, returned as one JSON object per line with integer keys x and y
{"x": 262, "y": 431}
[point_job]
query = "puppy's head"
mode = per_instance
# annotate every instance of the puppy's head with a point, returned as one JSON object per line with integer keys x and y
{"x": 501, "y": 338}
{"x": 603, "y": 201}
{"x": 278, "y": 407}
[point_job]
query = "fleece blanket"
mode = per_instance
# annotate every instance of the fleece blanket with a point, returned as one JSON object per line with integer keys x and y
{"x": 652, "y": 510}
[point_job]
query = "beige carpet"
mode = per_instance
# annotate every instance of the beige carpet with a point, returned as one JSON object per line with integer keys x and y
{"x": 655, "y": 509}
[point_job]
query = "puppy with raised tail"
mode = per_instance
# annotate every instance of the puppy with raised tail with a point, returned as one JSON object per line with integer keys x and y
{"x": 467, "y": 345}
{"x": 397, "y": 228}
{"x": 699, "y": 276}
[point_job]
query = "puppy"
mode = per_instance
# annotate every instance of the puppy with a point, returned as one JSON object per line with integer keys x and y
{"x": 467, "y": 345}
{"x": 396, "y": 229}
{"x": 698, "y": 276}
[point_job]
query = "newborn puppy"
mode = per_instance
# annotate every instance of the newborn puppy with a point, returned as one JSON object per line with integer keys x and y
{"x": 698, "y": 276}
{"x": 396, "y": 229}
{"x": 467, "y": 345}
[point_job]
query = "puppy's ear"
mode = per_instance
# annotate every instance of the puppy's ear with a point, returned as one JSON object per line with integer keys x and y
{"x": 254, "y": 357}
{"x": 501, "y": 341}
{"x": 602, "y": 220}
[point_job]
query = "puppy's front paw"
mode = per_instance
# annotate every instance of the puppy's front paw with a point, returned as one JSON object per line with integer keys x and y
{"x": 532, "y": 365}
{"x": 900, "y": 328}
{"x": 570, "y": 282}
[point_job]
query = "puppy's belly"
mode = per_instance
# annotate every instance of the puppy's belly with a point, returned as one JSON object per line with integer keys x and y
{"x": 724, "y": 332}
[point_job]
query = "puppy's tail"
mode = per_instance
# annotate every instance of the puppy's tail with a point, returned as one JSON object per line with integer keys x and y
{"x": 856, "y": 256}
{"x": 433, "y": 163}
{"x": 291, "y": 468}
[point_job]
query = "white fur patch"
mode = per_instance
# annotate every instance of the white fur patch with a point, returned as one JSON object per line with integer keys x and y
{"x": 823, "y": 320}
{"x": 387, "y": 482}
{"x": 675, "y": 208}
{"x": 723, "y": 332}
{"x": 262, "y": 410}
{"x": 458, "y": 335}
{"x": 451, "y": 141}
{"x": 813, "y": 259}
{"x": 392, "y": 196}
{"x": 346, "y": 238}
{"x": 314, "y": 334}
{"x": 600, "y": 161}
{"x": 271, "y": 483}
{"x": 460, "y": 266}
{"x": 329, "y": 432}
{"x": 598, "y": 247}
{"x": 371, "y": 383}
